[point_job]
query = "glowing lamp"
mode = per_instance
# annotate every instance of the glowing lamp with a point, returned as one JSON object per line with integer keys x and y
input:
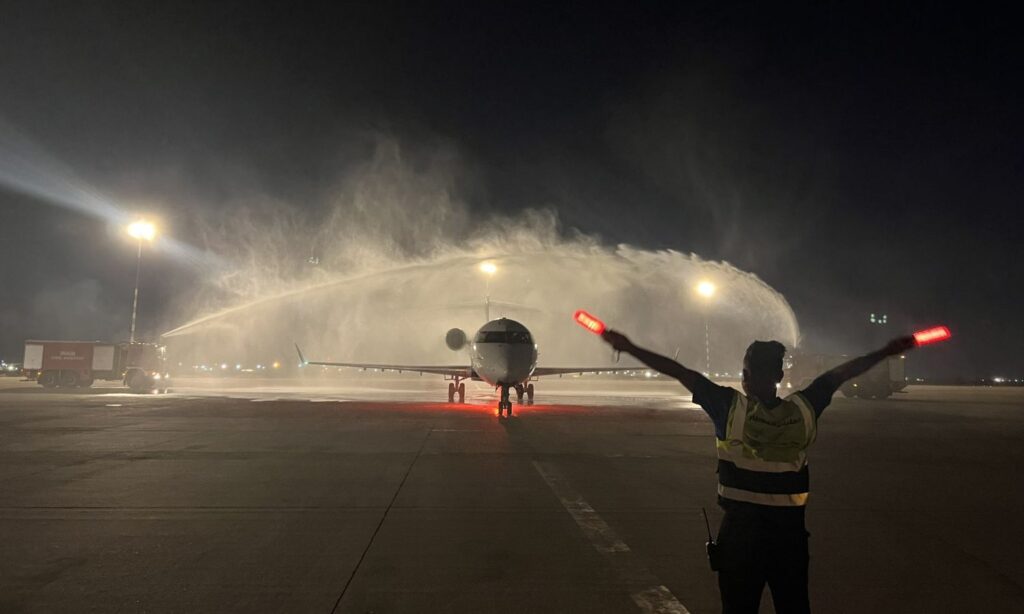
{"x": 589, "y": 322}
{"x": 142, "y": 230}
{"x": 932, "y": 335}
{"x": 706, "y": 289}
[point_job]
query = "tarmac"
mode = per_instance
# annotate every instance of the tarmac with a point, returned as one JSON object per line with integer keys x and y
{"x": 366, "y": 495}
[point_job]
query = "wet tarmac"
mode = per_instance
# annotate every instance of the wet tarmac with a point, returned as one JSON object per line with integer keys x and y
{"x": 370, "y": 494}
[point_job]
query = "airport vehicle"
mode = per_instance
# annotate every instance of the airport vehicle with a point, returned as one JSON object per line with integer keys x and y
{"x": 10, "y": 369}
{"x": 77, "y": 364}
{"x": 503, "y": 354}
{"x": 881, "y": 381}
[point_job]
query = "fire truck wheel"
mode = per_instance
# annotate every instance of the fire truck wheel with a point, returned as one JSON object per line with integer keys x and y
{"x": 69, "y": 379}
{"x": 137, "y": 382}
{"x": 86, "y": 382}
{"x": 48, "y": 379}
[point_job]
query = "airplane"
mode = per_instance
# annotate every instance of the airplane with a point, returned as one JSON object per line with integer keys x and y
{"x": 503, "y": 354}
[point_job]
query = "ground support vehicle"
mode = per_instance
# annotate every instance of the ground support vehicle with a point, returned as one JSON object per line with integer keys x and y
{"x": 879, "y": 382}
{"x": 77, "y": 364}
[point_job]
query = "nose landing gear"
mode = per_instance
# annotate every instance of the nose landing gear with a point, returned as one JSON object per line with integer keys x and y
{"x": 505, "y": 404}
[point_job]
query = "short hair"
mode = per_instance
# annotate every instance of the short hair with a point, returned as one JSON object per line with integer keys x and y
{"x": 765, "y": 357}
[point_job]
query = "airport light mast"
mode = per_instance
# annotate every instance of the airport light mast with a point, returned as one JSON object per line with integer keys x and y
{"x": 488, "y": 268}
{"x": 706, "y": 290}
{"x": 140, "y": 230}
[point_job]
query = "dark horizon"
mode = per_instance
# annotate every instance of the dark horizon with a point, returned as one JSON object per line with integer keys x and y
{"x": 856, "y": 161}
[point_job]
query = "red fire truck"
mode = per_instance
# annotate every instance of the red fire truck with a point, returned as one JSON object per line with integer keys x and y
{"x": 77, "y": 364}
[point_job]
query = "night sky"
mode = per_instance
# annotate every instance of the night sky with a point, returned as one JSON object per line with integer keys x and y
{"x": 865, "y": 161}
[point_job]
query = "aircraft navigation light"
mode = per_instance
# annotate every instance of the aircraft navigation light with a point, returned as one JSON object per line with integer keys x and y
{"x": 932, "y": 335}
{"x": 589, "y": 322}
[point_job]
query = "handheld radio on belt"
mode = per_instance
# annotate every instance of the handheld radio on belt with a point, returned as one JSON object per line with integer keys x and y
{"x": 710, "y": 545}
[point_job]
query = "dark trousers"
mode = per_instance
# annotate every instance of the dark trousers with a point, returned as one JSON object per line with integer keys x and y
{"x": 759, "y": 547}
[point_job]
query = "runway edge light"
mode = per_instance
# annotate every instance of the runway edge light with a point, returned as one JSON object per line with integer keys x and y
{"x": 589, "y": 322}
{"x": 932, "y": 335}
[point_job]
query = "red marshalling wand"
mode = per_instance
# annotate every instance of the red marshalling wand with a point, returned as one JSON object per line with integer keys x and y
{"x": 589, "y": 322}
{"x": 932, "y": 335}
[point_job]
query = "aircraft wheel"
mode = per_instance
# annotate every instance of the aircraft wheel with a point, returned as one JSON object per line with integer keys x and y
{"x": 529, "y": 394}
{"x": 508, "y": 409}
{"x": 462, "y": 393}
{"x": 451, "y": 392}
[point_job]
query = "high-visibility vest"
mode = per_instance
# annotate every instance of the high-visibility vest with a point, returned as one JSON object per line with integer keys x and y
{"x": 763, "y": 458}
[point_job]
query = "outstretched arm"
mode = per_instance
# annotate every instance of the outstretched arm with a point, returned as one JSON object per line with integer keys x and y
{"x": 662, "y": 364}
{"x": 851, "y": 369}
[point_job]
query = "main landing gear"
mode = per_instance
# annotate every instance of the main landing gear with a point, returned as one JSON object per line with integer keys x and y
{"x": 457, "y": 387}
{"x": 524, "y": 390}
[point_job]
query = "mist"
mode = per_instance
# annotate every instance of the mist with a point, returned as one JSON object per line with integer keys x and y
{"x": 389, "y": 263}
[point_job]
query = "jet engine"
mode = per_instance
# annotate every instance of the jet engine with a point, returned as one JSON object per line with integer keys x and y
{"x": 456, "y": 339}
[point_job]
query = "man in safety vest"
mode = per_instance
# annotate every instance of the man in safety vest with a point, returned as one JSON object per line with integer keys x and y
{"x": 762, "y": 443}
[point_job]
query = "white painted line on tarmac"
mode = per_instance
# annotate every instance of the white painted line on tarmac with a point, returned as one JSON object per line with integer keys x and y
{"x": 593, "y": 526}
{"x": 648, "y": 593}
{"x": 658, "y": 600}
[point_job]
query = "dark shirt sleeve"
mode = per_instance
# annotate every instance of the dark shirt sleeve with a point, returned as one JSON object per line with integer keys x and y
{"x": 715, "y": 400}
{"x": 819, "y": 393}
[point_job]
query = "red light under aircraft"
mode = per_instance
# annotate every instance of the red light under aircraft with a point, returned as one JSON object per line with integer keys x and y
{"x": 502, "y": 353}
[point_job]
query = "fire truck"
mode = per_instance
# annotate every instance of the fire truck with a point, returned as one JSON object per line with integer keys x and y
{"x": 77, "y": 364}
{"x": 881, "y": 381}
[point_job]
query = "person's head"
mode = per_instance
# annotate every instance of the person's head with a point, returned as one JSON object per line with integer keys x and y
{"x": 762, "y": 368}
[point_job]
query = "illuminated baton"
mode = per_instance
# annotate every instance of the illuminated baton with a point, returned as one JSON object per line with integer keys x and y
{"x": 589, "y": 322}
{"x": 932, "y": 335}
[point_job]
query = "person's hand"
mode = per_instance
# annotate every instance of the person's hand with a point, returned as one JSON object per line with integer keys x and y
{"x": 900, "y": 345}
{"x": 617, "y": 340}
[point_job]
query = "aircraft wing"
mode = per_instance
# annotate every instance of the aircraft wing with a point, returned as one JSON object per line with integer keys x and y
{"x": 542, "y": 371}
{"x": 459, "y": 370}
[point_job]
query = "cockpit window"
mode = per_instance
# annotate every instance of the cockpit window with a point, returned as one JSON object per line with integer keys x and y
{"x": 519, "y": 336}
{"x": 501, "y": 336}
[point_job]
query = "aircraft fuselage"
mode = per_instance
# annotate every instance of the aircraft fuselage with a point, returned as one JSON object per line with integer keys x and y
{"x": 503, "y": 353}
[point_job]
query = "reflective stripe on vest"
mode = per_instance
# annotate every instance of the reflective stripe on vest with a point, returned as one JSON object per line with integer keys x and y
{"x": 744, "y": 472}
{"x": 760, "y": 498}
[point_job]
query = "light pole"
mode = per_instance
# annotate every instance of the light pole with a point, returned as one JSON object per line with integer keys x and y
{"x": 488, "y": 268}
{"x": 706, "y": 290}
{"x": 140, "y": 230}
